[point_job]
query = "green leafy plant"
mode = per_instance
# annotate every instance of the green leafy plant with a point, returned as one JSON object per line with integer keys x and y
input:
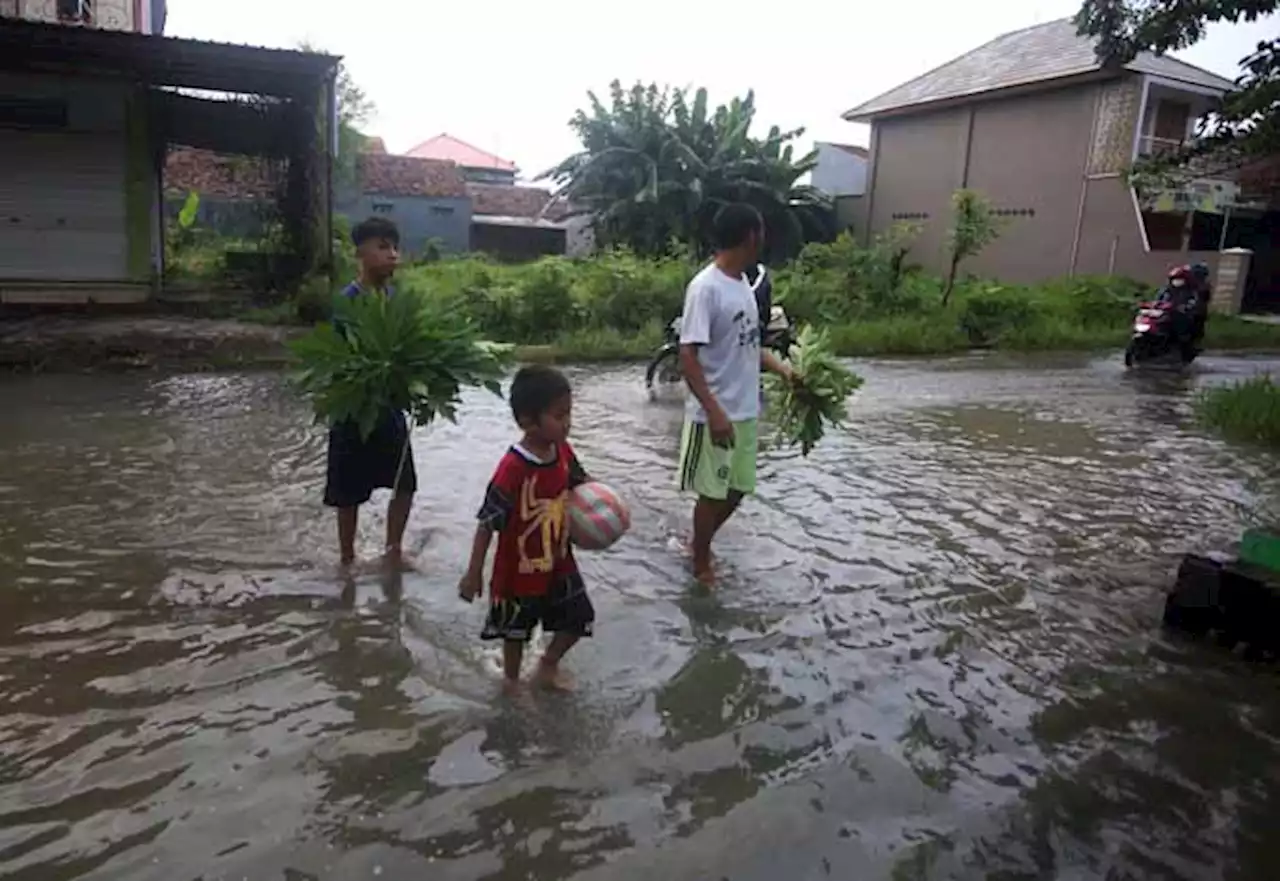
{"x": 1247, "y": 411}
{"x": 805, "y": 408}
{"x": 406, "y": 352}
{"x": 974, "y": 225}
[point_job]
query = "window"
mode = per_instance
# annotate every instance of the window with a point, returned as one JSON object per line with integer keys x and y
{"x": 383, "y": 207}
{"x": 910, "y": 215}
{"x": 75, "y": 11}
{"x": 1014, "y": 212}
{"x": 441, "y": 210}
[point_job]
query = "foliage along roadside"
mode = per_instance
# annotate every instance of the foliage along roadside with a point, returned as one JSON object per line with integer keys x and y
{"x": 1247, "y": 411}
{"x": 613, "y": 306}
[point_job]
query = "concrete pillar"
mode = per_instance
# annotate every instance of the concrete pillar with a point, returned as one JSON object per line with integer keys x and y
{"x": 1228, "y": 288}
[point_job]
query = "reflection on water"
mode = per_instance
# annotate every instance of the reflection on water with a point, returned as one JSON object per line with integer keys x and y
{"x": 935, "y": 655}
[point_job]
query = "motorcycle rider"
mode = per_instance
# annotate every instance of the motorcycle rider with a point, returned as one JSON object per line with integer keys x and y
{"x": 1182, "y": 292}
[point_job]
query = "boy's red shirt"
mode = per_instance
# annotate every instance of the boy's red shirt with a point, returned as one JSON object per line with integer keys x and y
{"x": 527, "y": 506}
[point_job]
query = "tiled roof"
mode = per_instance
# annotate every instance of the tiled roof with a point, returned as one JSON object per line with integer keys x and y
{"x": 1034, "y": 55}
{"x": 373, "y": 145}
{"x": 410, "y": 176}
{"x": 506, "y": 201}
{"x": 215, "y": 174}
{"x": 449, "y": 148}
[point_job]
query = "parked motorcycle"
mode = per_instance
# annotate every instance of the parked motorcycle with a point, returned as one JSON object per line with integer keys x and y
{"x": 1164, "y": 330}
{"x": 779, "y": 334}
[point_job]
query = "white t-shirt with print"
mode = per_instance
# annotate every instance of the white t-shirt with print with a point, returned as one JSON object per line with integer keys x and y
{"x": 720, "y": 317}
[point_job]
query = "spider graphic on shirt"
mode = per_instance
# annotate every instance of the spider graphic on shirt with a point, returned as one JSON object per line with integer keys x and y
{"x": 547, "y": 518}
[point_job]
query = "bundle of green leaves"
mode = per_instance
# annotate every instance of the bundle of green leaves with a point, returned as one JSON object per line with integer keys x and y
{"x": 803, "y": 410}
{"x": 406, "y": 352}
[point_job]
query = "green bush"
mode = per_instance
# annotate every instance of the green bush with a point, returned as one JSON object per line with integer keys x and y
{"x": 1247, "y": 411}
{"x": 990, "y": 312}
{"x": 615, "y": 304}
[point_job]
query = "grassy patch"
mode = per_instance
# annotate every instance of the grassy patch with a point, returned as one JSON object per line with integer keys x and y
{"x": 1248, "y": 411}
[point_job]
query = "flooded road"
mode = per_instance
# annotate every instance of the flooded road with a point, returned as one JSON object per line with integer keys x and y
{"x": 935, "y": 653}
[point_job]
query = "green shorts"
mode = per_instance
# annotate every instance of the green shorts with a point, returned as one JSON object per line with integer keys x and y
{"x": 713, "y": 471}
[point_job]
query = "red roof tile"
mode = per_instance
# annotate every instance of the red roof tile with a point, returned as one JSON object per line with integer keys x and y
{"x": 449, "y": 148}
{"x": 216, "y": 174}
{"x": 410, "y": 176}
{"x": 507, "y": 201}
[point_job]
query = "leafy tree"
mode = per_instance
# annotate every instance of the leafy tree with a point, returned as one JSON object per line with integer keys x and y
{"x": 1246, "y": 127}
{"x": 657, "y": 163}
{"x": 974, "y": 225}
{"x": 355, "y": 109}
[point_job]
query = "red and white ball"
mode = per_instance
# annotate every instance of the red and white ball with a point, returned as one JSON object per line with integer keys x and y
{"x": 597, "y": 517}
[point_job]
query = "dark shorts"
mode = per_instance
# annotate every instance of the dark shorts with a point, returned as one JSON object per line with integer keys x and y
{"x": 357, "y": 467}
{"x": 565, "y": 609}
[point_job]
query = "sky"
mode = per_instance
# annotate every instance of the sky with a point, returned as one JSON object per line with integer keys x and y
{"x": 507, "y": 75}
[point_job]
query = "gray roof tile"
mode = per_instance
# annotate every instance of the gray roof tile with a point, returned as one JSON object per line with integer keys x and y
{"x": 1033, "y": 55}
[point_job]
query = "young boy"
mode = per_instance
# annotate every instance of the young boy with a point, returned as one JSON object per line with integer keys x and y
{"x": 535, "y": 579}
{"x": 357, "y": 466}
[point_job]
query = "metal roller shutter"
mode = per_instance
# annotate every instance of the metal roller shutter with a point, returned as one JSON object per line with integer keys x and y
{"x": 62, "y": 206}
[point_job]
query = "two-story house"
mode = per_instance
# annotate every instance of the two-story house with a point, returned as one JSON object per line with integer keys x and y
{"x": 1036, "y": 124}
{"x": 88, "y": 106}
{"x": 478, "y": 166}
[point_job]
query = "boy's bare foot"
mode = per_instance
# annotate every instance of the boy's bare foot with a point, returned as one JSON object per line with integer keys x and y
{"x": 395, "y": 560}
{"x": 551, "y": 677}
{"x": 706, "y": 576}
{"x": 510, "y": 687}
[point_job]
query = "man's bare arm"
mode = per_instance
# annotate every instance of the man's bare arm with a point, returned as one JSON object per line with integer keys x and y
{"x": 696, "y": 379}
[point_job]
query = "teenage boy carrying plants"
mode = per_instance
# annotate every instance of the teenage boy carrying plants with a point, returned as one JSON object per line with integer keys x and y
{"x": 384, "y": 460}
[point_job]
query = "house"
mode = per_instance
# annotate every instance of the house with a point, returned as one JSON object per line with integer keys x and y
{"x": 508, "y": 222}
{"x": 841, "y": 169}
{"x": 477, "y": 165}
{"x": 137, "y": 16}
{"x": 89, "y": 101}
{"x": 426, "y": 198}
{"x": 1046, "y": 133}
{"x": 841, "y": 173}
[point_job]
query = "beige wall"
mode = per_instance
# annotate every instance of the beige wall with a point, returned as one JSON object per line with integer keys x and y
{"x": 917, "y": 163}
{"x": 1029, "y": 154}
{"x": 1054, "y": 153}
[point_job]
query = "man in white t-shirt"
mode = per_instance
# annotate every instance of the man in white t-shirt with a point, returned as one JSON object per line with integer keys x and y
{"x": 721, "y": 356}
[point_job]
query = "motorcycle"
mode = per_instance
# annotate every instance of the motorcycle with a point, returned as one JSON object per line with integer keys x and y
{"x": 779, "y": 334}
{"x": 1163, "y": 330}
{"x": 1157, "y": 338}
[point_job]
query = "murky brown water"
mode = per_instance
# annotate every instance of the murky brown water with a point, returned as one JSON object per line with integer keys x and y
{"x": 936, "y": 654}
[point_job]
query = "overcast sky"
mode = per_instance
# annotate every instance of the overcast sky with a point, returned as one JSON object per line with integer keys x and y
{"x": 506, "y": 75}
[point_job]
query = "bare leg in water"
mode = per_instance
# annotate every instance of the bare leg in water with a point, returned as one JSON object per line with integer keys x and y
{"x": 397, "y": 519}
{"x": 549, "y": 674}
{"x": 708, "y": 516}
{"x": 348, "y": 518}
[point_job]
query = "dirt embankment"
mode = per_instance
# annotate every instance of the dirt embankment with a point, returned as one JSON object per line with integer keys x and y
{"x": 45, "y": 343}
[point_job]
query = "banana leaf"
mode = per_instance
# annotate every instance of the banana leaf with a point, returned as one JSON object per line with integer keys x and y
{"x": 804, "y": 410}
{"x": 404, "y": 353}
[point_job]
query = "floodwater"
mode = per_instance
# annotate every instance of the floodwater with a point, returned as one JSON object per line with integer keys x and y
{"x": 935, "y": 653}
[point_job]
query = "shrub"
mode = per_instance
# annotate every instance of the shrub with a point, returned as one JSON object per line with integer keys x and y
{"x": 992, "y": 311}
{"x": 1247, "y": 411}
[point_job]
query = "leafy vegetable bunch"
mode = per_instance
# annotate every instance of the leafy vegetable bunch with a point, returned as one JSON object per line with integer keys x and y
{"x": 804, "y": 409}
{"x": 405, "y": 352}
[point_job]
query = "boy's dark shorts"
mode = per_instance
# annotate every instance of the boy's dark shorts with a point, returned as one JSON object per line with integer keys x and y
{"x": 564, "y": 609}
{"x": 357, "y": 467}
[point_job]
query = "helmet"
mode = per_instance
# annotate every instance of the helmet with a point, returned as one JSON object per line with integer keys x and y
{"x": 1183, "y": 272}
{"x": 1200, "y": 271}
